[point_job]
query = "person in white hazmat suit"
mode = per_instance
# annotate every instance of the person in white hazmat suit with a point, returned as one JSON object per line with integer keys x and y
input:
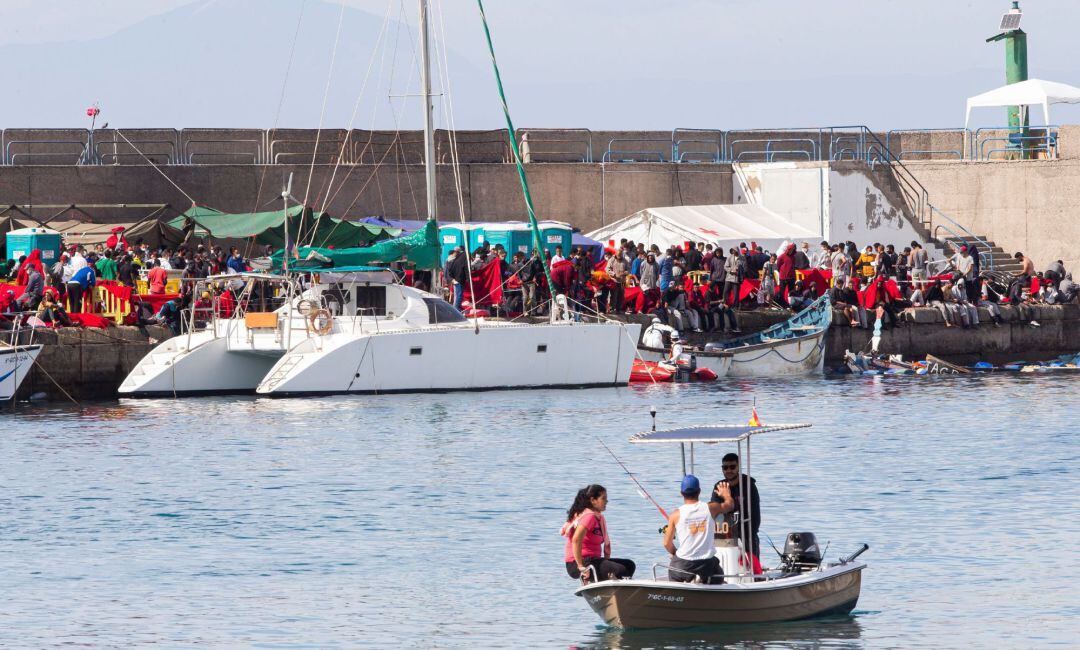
{"x": 653, "y": 337}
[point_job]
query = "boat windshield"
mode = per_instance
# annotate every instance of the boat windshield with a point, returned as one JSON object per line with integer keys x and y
{"x": 440, "y": 311}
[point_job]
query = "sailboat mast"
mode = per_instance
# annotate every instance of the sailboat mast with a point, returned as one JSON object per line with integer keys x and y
{"x": 429, "y": 128}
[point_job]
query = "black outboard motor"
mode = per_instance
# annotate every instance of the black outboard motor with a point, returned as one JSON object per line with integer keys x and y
{"x": 801, "y": 553}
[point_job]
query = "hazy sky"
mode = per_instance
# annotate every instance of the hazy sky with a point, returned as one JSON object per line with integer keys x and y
{"x": 632, "y": 64}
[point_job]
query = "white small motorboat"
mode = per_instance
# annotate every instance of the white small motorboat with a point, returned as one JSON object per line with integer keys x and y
{"x": 803, "y": 586}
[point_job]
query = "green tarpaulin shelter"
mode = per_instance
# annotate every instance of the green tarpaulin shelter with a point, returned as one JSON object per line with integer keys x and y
{"x": 269, "y": 227}
{"x": 419, "y": 250}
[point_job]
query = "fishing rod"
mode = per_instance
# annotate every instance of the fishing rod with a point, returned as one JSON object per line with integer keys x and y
{"x": 641, "y": 488}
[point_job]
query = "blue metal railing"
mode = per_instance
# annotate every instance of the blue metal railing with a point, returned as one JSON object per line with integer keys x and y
{"x": 1015, "y": 141}
{"x": 697, "y": 147}
{"x": 899, "y": 136}
{"x": 635, "y": 155}
{"x": 789, "y": 147}
{"x": 684, "y": 145}
{"x": 554, "y": 143}
{"x": 967, "y": 237}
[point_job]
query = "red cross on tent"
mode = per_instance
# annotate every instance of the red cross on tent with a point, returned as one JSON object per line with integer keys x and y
{"x": 709, "y": 232}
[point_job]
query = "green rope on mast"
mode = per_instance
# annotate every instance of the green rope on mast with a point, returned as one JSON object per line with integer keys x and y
{"x": 537, "y": 242}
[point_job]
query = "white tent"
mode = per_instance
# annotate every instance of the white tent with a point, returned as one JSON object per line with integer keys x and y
{"x": 725, "y": 225}
{"x": 1033, "y": 92}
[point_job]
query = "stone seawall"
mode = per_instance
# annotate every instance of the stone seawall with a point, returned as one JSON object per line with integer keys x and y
{"x": 90, "y": 364}
{"x": 87, "y": 363}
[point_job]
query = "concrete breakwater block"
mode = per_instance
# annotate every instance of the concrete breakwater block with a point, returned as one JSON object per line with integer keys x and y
{"x": 88, "y": 363}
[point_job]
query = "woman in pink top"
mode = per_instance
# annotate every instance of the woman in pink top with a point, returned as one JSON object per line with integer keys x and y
{"x": 587, "y": 541}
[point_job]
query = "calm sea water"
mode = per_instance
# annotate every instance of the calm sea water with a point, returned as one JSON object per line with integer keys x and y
{"x": 432, "y": 520}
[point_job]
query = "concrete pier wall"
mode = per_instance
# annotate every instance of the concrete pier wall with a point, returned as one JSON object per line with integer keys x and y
{"x": 87, "y": 363}
{"x": 1031, "y": 206}
{"x": 586, "y": 195}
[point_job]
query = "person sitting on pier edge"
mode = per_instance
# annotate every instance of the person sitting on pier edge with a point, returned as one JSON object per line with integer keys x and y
{"x": 587, "y": 540}
{"x": 693, "y": 523}
{"x": 730, "y": 466}
{"x": 35, "y": 289}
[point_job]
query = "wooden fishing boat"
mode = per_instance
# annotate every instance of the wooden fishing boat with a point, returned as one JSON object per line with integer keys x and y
{"x": 794, "y": 347}
{"x": 803, "y": 586}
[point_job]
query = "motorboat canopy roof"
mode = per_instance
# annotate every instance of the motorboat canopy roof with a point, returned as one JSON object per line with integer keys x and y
{"x": 710, "y": 434}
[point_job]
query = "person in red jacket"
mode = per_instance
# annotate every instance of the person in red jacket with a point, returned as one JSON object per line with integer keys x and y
{"x": 785, "y": 269}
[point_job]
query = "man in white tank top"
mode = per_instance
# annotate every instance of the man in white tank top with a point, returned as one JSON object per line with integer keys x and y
{"x": 693, "y": 523}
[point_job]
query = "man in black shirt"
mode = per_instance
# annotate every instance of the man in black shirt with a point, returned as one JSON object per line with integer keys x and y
{"x": 730, "y": 465}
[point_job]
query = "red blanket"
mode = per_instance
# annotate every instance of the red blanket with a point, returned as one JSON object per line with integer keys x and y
{"x": 868, "y": 297}
{"x": 34, "y": 260}
{"x": 487, "y": 282}
{"x": 156, "y": 300}
{"x": 748, "y": 288}
{"x": 818, "y": 280}
{"x": 91, "y": 320}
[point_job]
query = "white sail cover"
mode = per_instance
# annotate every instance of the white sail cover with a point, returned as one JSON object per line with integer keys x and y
{"x": 724, "y": 225}
{"x": 1033, "y": 92}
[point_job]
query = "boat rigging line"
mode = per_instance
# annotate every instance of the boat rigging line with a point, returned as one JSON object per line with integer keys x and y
{"x": 356, "y": 108}
{"x": 641, "y": 488}
{"x": 455, "y": 162}
{"x": 322, "y": 112}
{"x": 281, "y": 99}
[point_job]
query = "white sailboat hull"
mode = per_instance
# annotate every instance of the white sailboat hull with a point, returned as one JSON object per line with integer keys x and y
{"x": 15, "y": 364}
{"x": 205, "y": 366}
{"x": 456, "y": 357}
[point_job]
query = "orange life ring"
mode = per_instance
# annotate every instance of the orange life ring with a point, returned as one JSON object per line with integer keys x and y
{"x": 327, "y": 321}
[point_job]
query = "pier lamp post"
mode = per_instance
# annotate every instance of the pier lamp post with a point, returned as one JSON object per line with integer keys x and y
{"x": 1016, "y": 69}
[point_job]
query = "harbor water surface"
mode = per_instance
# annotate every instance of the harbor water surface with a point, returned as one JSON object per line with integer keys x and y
{"x": 433, "y": 520}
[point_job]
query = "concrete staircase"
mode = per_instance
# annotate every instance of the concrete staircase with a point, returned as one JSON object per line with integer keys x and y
{"x": 1002, "y": 260}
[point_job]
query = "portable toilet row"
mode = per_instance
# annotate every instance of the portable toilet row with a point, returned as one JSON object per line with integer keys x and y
{"x": 22, "y": 241}
{"x": 465, "y": 234}
{"x": 514, "y": 236}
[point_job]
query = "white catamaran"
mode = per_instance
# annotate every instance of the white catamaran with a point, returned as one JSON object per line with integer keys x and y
{"x": 360, "y": 332}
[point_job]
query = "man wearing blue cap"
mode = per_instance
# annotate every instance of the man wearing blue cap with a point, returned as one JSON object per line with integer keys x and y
{"x": 693, "y": 523}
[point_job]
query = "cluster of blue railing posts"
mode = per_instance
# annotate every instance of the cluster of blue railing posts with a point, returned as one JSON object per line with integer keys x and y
{"x": 1015, "y": 141}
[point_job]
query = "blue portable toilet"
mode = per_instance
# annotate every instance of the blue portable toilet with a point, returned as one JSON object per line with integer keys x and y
{"x": 463, "y": 234}
{"x": 21, "y": 242}
{"x": 514, "y": 236}
{"x": 557, "y": 233}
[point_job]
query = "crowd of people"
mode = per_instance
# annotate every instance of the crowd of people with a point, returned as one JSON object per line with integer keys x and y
{"x": 701, "y": 287}
{"x": 54, "y": 292}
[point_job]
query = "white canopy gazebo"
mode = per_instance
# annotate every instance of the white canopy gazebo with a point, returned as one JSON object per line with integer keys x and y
{"x": 1033, "y": 92}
